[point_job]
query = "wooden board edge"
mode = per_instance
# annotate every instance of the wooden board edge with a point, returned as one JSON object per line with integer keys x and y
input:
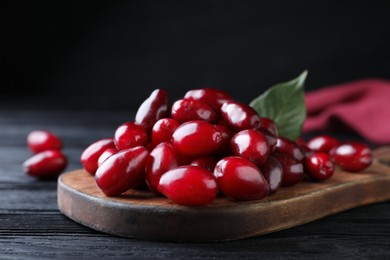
{"x": 208, "y": 225}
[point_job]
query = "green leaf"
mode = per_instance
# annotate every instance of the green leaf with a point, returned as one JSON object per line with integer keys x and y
{"x": 285, "y": 104}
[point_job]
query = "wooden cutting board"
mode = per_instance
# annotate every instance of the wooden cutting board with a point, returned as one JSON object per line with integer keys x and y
{"x": 139, "y": 214}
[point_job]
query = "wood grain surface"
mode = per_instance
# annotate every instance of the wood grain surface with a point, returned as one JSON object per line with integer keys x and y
{"x": 32, "y": 227}
{"x": 140, "y": 214}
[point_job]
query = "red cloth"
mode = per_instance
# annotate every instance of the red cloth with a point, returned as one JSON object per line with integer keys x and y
{"x": 363, "y": 106}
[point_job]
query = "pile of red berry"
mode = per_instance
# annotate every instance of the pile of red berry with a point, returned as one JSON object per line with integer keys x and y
{"x": 48, "y": 161}
{"x": 209, "y": 142}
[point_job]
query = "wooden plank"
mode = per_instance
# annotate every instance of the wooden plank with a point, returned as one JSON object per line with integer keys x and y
{"x": 31, "y": 227}
{"x": 87, "y": 246}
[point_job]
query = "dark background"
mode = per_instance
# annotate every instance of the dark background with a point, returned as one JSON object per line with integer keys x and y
{"x": 112, "y": 54}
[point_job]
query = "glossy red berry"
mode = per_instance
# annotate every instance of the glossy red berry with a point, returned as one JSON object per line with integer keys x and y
{"x": 184, "y": 110}
{"x": 352, "y": 156}
{"x": 306, "y": 150}
{"x": 226, "y": 135}
{"x": 46, "y": 164}
{"x": 90, "y": 156}
{"x": 292, "y": 170}
{"x": 323, "y": 143}
{"x": 239, "y": 116}
{"x": 107, "y": 153}
{"x": 273, "y": 173}
{"x": 272, "y": 140}
{"x": 207, "y": 162}
{"x": 122, "y": 171}
{"x": 130, "y": 135}
{"x": 163, "y": 129}
{"x": 251, "y": 145}
{"x": 196, "y": 138}
{"x": 152, "y": 109}
{"x": 160, "y": 160}
{"x": 289, "y": 148}
{"x": 269, "y": 125}
{"x": 41, "y": 140}
{"x": 319, "y": 166}
{"x": 189, "y": 186}
{"x": 215, "y": 98}
{"x": 240, "y": 179}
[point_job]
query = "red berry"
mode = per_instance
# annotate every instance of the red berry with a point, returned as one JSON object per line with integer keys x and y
{"x": 185, "y": 110}
{"x": 306, "y": 150}
{"x": 160, "y": 160}
{"x": 239, "y": 116}
{"x": 301, "y": 142}
{"x": 292, "y": 169}
{"x": 352, "y": 156}
{"x": 272, "y": 140}
{"x": 107, "y": 153}
{"x": 251, "y": 145}
{"x": 46, "y": 164}
{"x": 196, "y": 138}
{"x": 273, "y": 173}
{"x": 41, "y": 140}
{"x": 90, "y": 156}
{"x": 215, "y": 98}
{"x": 319, "y": 166}
{"x": 323, "y": 143}
{"x": 122, "y": 171}
{"x": 269, "y": 125}
{"x": 188, "y": 185}
{"x": 152, "y": 109}
{"x": 226, "y": 135}
{"x": 130, "y": 135}
{"x": 163, "y": 129}
{"x": 207, "y": 162}
{"x": 289, "y": 148}
{"x": 240, "y": 179}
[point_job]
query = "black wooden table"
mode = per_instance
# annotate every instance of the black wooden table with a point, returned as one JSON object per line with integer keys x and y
{"x": 32, "y": 227}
